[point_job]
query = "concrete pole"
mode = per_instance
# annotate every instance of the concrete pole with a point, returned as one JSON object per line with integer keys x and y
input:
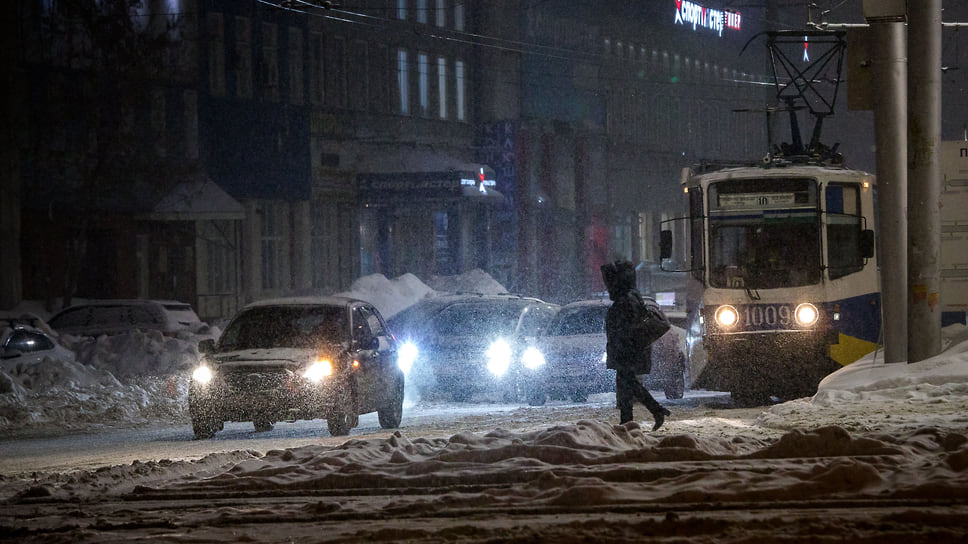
{"x": 888, "y": 80}
{"x": 924, "y": 174}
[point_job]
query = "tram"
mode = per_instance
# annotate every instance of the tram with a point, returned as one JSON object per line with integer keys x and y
{"x": 783, "y": 281}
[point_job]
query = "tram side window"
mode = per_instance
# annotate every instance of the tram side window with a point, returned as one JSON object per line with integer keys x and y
{"x": 844, "y": 226}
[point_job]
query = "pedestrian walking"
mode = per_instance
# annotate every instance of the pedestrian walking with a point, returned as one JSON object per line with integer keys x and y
{"x": 624, "y": 350}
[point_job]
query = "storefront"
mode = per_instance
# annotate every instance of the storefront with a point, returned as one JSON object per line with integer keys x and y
{"x": 428, "y": 223}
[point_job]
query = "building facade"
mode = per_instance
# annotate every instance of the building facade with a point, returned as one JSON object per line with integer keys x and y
{"x": 301, "y": 147}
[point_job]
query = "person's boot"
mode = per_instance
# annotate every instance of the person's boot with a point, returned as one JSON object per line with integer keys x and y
{"x": 659, "y": 416}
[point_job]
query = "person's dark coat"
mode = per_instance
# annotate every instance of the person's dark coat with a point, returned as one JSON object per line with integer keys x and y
{"x": 626, "y": 310}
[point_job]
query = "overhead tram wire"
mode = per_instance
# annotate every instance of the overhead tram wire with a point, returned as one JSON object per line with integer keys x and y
{"x": 553, "y": 52}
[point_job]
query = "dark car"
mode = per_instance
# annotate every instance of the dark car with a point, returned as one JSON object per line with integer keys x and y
{"x": 24, "y": 343}
{"x": 568, "y": 361}
{"x": 298, "y": 358}
{"x": 469, "y": 343}
{"x": 99, "y": 317}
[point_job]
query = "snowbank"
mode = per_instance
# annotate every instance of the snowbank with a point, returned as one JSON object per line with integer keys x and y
{"x": 142, "y": 377}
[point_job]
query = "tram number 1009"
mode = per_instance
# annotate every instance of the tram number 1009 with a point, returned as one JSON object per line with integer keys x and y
{"x": 768, "y": 316}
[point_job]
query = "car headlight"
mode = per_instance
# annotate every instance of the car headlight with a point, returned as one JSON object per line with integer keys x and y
{"x": 318, "y": 370}
{"x": 533, "y": 358}
{"x": 406, "y": 355}
{"x": 727, "y": 316}
{"x": 202, "y": 375}
{"x": 806, "y": 314}
{"x": 498, "y": 357}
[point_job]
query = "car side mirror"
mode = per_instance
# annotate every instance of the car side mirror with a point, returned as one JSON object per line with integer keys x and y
{"x": 866, "y": 243}
{"x": 665, "y": 244}
{"x": 206, "y": 346}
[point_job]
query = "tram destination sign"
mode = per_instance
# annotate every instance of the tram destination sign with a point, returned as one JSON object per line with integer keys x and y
{"x": 747, "y": 201}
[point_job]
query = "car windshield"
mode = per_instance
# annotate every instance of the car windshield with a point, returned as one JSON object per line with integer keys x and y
{"x": 286, "y": 327}
{"x": 472, "y": 319}
{"x": 570, "y": 322}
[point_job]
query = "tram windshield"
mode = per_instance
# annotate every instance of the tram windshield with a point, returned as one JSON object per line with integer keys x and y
{"x": 764, "y": 233}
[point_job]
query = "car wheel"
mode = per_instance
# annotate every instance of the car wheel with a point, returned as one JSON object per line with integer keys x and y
{"x": 345, "y": 415}
{"x": 676, "y": 388}
{"x": 339, "y": 423}
{"x": 262, "y": 425}
{"x": 579, "y": 395}
{"x": 392, "y": 411}
{"x": 205, "y": 427}
{"x": 537, "y": 397}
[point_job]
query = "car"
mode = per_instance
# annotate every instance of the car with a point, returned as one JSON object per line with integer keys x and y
{"x": 468, "y": 343}
{"x": 568, "y": 360}
{"x": 26, "y": 343}
{"x": 99, "y": 317}
{"x": 285, "y": 359}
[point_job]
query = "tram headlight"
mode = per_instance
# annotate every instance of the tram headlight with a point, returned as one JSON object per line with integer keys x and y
{"x": 726, "y": 316}
{"x": 806, "y": 314}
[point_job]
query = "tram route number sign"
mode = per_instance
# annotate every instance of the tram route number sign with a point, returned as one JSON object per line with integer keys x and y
{"x": 746, "y": 201}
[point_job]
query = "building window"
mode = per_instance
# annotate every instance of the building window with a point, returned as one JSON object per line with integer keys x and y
{"x": 219, "y": 256}
{"x": 422, "y": 11}
{"x": 441, "y": 13}
{"x": 243, "y": 57}
{"x": 339, "y": 71}
{"x": 359, "y": 70}
{"x": 459, "y": 14}
{"x": 159, "y": 128}
{"x": 460, "y": 87}
{"x": 273, "y": 244}
{"x": 295, "y": 65}
{"x": 403, "y": 82}
{"x": 216, "y": 54}
{"x": 423, "y": 83}
{"x": 442, "y": 86}
{"x": 317, "y": 56}
{"x": 402, "y": 10}
{"x": 270, "y": 61}
{"x": 191, "y": 124}
{"x": 325, "y": 245}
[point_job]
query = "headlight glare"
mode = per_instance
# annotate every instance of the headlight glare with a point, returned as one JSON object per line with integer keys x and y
{"x": 726, "y": 316}
{"x": 807, "y": 314}
{"x": 202, "y": 375}
{"x": 318, "y": 370}
{"x": 533, "y": 358}
{"x": 498, "y": 357}
{"x": 406, "y": 356}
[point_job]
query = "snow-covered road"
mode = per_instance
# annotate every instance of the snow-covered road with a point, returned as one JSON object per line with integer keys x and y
{"x": 93, "y": 449}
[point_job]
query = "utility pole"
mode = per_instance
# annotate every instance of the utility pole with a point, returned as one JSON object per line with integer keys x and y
{"x": 924, "y": 175}
{"x": 889, "y": 84}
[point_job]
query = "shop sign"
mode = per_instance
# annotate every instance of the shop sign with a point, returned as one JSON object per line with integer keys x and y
{"x": 701, "y": 17}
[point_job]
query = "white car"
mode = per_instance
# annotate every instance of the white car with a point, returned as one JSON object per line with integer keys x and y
{"x": 568, "y": 360}
{"x": 97, "y": 317}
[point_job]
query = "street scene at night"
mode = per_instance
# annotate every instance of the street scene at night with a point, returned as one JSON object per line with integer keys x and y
{"x": 472, "y": 271}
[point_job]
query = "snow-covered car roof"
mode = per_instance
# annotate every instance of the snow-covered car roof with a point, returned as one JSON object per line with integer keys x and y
{"x": 113, "y": 316}
{"x": 332, "y": 300}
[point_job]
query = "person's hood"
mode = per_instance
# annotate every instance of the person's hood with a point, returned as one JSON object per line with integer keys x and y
{"x": 619, "y": 278}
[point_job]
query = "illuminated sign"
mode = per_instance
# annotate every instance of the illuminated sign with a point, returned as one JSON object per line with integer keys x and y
{"x": 806, "y": 56}
{"x": 756, "y": 200}
{"x": 481, "y": 183}
{"x": 702, "y": 17}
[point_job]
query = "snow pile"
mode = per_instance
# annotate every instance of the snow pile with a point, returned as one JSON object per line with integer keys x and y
{"x": 142, "y": 376}
{"x": 474, "y": 281}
